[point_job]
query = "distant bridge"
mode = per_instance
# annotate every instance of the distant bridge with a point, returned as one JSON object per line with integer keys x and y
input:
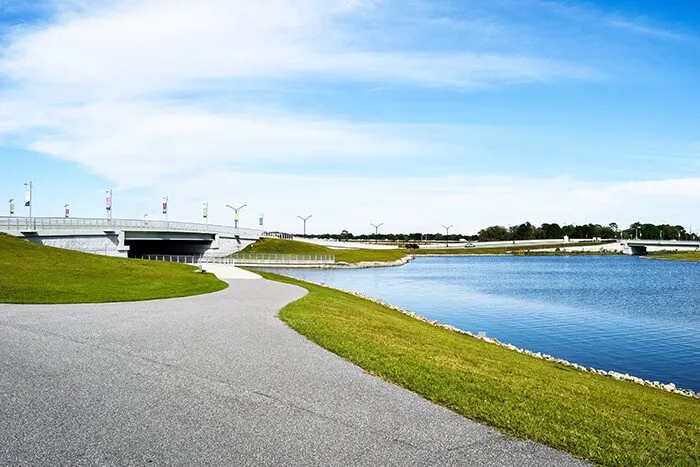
{"x": 641, "y": 247}
{"x": 129, "y": 237}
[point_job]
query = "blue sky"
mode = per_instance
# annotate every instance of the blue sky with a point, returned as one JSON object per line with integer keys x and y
{"x": 412, "y": 113}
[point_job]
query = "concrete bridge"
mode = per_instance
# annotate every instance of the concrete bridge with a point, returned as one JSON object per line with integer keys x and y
{"x": 641, "y": 247}
{"x": 130, "y": 238}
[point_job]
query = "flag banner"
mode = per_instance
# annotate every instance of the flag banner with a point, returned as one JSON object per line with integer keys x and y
{"x": 235, "y": 215}
{"x": 12, "y": 207}
{"x": 261, "y": 220}
{"x": 165, "y": 207}
{"x": 67, "y": 212}
{"x": 205, "y": 211}
{"x": 109, "y": 204}
{"x": 27, "y": 198}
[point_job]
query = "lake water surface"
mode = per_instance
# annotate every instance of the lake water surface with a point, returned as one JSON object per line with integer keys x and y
{"x": 627, "y": 314}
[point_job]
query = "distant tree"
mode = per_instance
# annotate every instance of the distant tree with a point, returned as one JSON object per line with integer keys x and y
{"x": 493, "y": 233}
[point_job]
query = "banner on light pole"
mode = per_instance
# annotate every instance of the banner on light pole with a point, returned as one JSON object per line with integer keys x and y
{"x": 205, "y": 211}
{"x": 28, "y": 198}
{"x": 165, "y": 207}
{"x": 12, "y": 206}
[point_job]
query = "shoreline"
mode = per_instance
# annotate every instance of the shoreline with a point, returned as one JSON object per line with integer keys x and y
{"x": 668, "y": 387}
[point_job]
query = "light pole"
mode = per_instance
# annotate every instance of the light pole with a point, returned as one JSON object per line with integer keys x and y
{"x": 447, "y": 237}
{"x": 235, "y": 213}
{"x": 145, "y": 218}
{"x": 28, "y": 200}
{"x": 304, "y": 219}
{"x": 376, "y": 230}
{"x": 205, "y": 213}
{"x": 66, "y": 211}
{"x": 108, "y": 204}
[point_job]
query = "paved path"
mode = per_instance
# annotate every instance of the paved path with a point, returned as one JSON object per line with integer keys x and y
{"x": 213, "y": 380}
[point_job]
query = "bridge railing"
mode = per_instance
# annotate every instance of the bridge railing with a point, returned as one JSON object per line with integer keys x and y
{"x": 264, "y": 258}
{"x": 247, "y": 259}
{"x": 8, "y": 224}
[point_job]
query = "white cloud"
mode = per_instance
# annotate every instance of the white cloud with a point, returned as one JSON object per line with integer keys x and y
{"x": 406, "y": 204}
{"x": 92, "y": 88}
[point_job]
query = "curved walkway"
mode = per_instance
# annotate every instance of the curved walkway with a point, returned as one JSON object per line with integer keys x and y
{"x": 217, "y": 380}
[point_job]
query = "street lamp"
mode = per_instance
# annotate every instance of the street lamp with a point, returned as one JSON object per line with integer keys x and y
{"x": 305, "y": 219}
{"x": 376, "y": 230}
{"x": 447, "y": 237}
{"x": 235, "y": 213}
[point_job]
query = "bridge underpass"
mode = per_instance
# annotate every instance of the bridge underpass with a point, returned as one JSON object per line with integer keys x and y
{"x": 129, "y": 237}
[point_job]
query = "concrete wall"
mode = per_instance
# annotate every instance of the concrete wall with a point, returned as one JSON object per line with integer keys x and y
{"x": 107, "y": 245}
{"x": 226, "y": 245}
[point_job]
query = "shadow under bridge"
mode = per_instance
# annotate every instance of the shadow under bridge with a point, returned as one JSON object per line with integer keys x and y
{"x": 167, "y": 243}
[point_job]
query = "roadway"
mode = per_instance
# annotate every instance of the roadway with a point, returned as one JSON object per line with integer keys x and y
{"x": 214, "y": 379}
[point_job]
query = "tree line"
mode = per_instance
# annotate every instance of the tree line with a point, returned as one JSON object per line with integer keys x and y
{"x": 528, "y": 231}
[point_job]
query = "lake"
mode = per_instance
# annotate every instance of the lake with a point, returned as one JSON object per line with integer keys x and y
{"x": 628, "y": 314}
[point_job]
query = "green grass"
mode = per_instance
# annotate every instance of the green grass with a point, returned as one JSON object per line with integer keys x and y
{"x": 293, "y": 247}
{"x": 676, "y": 255}
{"x": 593, "y": 417}
{"x": 31, "y": 273}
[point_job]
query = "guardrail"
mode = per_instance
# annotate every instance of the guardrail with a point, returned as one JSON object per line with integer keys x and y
{"x": 247, "y": 259}
{"x": 9, "y": 224}
{"x": 264, "y": 258}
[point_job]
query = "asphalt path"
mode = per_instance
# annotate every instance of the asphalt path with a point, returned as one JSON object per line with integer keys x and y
{"x": 215, "y": 379}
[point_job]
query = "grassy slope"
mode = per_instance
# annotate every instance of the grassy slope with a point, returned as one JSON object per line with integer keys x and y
{"x": 677, "y": 256}
{"x": 31, "y": 273}
{"x": 590, "y": 416}
{"x": 292, "y": 247}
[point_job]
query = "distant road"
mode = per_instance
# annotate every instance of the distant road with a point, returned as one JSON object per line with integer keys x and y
{"x": 213, "y": 380}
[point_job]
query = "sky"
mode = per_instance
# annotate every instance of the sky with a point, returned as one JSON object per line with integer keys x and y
{"x": 411, "y": 113}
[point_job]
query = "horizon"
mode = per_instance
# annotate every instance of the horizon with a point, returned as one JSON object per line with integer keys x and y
{"x": 355, "y": 111}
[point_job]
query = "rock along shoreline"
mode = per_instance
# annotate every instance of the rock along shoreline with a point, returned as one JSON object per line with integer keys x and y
{"x": 668, "y": 387}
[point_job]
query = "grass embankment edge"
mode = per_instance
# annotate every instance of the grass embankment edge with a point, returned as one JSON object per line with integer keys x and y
{"x": 38, "y": 274}
{"x": 592, "y": 417}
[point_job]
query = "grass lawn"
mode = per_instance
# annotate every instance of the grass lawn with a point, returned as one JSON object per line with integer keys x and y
{"x": 593, "y": 417}
{"x": 676, "y": 255}
{"x": 31, "y": 273}
{"x": 293, "y": 247}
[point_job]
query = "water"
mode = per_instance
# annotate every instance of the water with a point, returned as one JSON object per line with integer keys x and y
{"x": 627, "y": 314}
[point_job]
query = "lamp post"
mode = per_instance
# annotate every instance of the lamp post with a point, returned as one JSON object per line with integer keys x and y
{"x": 447, "y": 237}
{"x": 28, "y": 200}
{"x": 235, "y": 213}
{"x": 304, "y": 219}
{"x": 376, "y": 230}
{"x": 205, "y": 213}
{"x": 108, "y": 204}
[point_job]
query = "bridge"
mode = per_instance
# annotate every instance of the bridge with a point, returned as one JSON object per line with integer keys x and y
{"x": 129, "y": 237}
{"x": 641, "y": 247}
